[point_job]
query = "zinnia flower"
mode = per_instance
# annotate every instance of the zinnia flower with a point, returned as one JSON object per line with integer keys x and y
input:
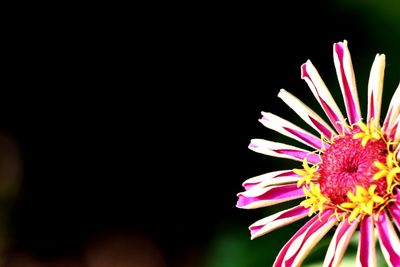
{"x": 350, "y": 178}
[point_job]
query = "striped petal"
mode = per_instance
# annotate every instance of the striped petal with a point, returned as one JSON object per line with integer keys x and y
{"x": 286, "y": 128}
{"x": 282, "y": 151}
{"x": 394, "y": 131}
{"x": 388, "y": 239}
{"x": 393, "y": 111}
{"x": 366, "y": 256}
{"x": 394, "y": 210}
{"x": 277, "y": 220}
{"x": 322, "y": 94}
{"x": 339, "y": 243}
{"x": 271, "y": 178}
{"x": 307, "y": 114}
{"x": 297, "y": 248}
{"x": 375, "y": 86}
{"x": 263, "y": 197}
{"x": 347, "y": 81}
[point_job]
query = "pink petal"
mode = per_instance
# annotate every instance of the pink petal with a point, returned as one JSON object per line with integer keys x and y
{"x": 287, "y": 128}
{"x": 306, "y": 113}
{"x": 311, "y": 140}
{"x": 394, "y": 132}
{"x": 283, "y": 151}
{"x": 366, "y": 256}
{"x": 272, "y": 195}
{"x": 321, "y": 127}
{"x": 393, "y": 111}
{"x": 394, "y": 210}
{"x": 299, "y": 154}
{"x": 388, "y": 239}
{"x": 322, "y": 94}
{"x": 271, "y": 178}
{"x": 345, "y": 73}
{"x": 371, "y": 107}
{"x": 297, "y": 248}
{"x": 391, "y": 132}
{"x": 339, "y": 243}
{"x": 375, "y": 86}
{"x": 277, "y": 220}
{"x": 389, "y": 117}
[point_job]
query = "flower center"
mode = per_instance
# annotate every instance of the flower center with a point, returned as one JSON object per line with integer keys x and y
{"x": 356, "y": 175}
{"x": 347, "y": 164}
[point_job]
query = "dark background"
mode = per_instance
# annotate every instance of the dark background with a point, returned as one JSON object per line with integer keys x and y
{"x": 140, "y": 120}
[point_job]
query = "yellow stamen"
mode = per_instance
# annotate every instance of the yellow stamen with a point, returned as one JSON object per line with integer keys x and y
{"x": 307, "y": 173}
{"x": 371, "y": 133}
{"x": 391, "y": 171}
{"x": 362, "y": 202}
{"x": 315, "y": 199}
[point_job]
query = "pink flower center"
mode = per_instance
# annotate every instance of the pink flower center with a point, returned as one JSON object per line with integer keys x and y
{"x": 346, "y": 163}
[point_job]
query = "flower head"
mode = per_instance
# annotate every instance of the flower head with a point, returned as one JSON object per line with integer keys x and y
{"x": 350, "y": 178}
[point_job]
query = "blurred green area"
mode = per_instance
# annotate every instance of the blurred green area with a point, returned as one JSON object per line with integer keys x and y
{"x": 232, "y": 248}
{"x": 380, "y": 24}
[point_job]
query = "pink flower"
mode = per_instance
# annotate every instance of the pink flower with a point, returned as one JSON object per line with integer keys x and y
{"x": 350, "y": 178}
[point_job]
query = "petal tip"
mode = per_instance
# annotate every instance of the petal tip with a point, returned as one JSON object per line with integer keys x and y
{"x": 240, "y": 202}
{"x": 252, "y": 145}
{"x": 339, "y": 47}
{"x": 281, "y": 92}
{"x": 303, "y": 69}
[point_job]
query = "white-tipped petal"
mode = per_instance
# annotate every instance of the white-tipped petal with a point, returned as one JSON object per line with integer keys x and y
{"x": 271, "y": 178}
{"x": 396, "y": 130}
{"x": 263, "y": 197}
{"x": 307, "y": 114}
{"x": 287, "y": 128}
{"x": 310, "y": 74}
{"x": 347, "y": 80}
{"x": 277, "y": 220}
{"x": 366, "y": 256}
{"x": 280, "y": 150}
{"x": 388, "y": 239}
{"x": 393, "y": 111}
{"x": 297, "y": 248}
{"x": 339, "y": 243}
{"x": 375, "y": 87}
{"x": 394, "y": 210}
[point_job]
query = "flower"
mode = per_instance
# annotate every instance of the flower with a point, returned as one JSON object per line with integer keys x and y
{"x": 350, "y": 178}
